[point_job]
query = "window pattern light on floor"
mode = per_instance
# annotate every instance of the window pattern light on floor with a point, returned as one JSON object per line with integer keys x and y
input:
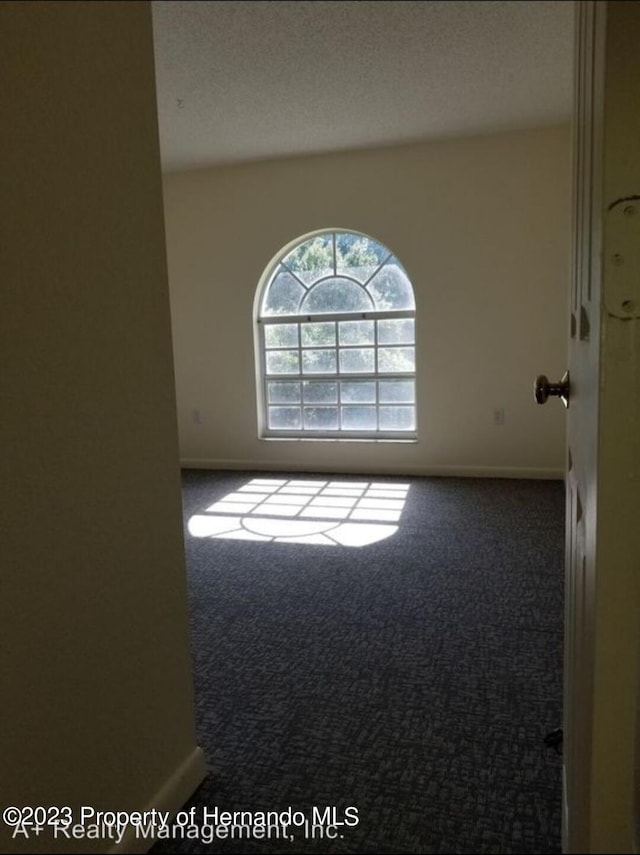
{"x": 327, "y": 513}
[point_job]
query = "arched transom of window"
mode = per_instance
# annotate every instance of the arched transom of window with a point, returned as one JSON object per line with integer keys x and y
{"x": 336, "y": 341}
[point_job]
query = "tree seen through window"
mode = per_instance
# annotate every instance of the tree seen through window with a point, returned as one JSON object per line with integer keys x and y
{"x": 337, "y": 341}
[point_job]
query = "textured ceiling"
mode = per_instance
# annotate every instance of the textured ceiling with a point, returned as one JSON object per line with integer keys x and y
{"x": 246, "y": 80}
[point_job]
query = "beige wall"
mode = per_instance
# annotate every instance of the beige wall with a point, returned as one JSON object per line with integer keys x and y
{"x": 482, "y": 227}
{"x": 94, "y": 657}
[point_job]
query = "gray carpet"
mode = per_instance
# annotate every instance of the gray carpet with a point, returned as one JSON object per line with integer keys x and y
{"x": 414, "y": 678}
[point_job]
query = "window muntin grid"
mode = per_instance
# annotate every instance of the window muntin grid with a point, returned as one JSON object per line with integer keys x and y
{"x": 337, "y": 341}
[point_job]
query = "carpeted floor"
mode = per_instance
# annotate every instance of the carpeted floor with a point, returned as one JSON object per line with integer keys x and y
{"x": 414, "y": 679}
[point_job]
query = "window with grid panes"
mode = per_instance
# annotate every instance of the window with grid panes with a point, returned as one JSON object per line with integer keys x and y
{"x": 336, "y": 333}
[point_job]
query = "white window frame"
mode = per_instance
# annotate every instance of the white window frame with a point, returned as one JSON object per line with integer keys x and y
{"x": 262, "y": 378}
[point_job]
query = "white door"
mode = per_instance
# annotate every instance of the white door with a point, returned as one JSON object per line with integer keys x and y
{"x": 602, "y": 645}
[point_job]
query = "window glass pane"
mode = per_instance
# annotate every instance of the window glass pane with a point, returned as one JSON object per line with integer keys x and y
{"x": 281, "y": 335}
{"x": 284, "y": 418}
{"x": 283, "y": 295}
{"x": 321, "y": 418}
{"x": 356, "y": 332}
{"x": 283, "y": 393}
{"x": 312, "y": 259}
{"x": 359, "y": 418}
{"x": 358, "y": 392}
{"x": 357, "y": 360}
{"x": 283, "y": 362}
{"x": 358, "y": 256}
{"x": 336, "y": 295}
{"x": 390, "y": 288}
{"x": 316, "y": 392}
{"x": 318, "y": 361}
{"x": 347, "y": 370}
{"x": 397, "y": 392}
{"x": 397, "y": 418}
{"x": 315, "y": 335}
{"x": 400, "y": 359}
{"x": 400, "y": 331}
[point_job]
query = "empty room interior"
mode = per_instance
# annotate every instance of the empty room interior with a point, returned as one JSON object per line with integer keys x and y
{"x": 285, "y": 524}
{"x": 367, "y": 219}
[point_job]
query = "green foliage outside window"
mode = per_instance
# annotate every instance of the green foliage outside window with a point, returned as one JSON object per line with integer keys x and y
{"x": 352, "y": 251}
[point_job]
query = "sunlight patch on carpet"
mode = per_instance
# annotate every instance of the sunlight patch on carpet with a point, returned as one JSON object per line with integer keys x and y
{"x": 323, "y": 513}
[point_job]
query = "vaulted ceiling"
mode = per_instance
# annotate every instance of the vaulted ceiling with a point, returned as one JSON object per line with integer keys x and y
{"x": 247, "y": 80}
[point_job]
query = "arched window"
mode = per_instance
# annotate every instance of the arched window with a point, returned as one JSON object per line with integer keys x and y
{"x": 336, "y": 341}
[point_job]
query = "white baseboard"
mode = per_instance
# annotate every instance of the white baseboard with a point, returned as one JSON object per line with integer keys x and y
{"x": 175, "y": 791}
{"x": 421, "y": 471}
